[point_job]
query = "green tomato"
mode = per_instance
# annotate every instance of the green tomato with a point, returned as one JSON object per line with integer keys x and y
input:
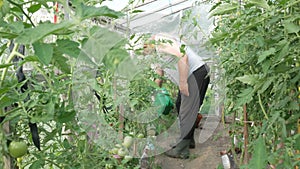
{"x": 128, "y": 157}
{"x": 109, "y": 166}
{"x": 140, "y": 135}
{"x": 114, "y": 151}
{"x": 128, "y": 140}
{"x": 122, "y": 152}
{"x": 17, "y": 149}
{"x": 118, "y": 145}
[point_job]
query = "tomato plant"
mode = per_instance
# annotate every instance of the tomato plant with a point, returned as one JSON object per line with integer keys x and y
{"x": 44, "y": 56}
{"x": 258, "y": 44}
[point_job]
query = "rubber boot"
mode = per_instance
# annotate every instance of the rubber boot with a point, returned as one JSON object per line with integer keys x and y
{"x": 181, "y": 150}
{"x": 192, "y": 143}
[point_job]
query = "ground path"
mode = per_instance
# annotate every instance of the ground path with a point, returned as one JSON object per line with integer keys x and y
{"x": 206, "y": 155}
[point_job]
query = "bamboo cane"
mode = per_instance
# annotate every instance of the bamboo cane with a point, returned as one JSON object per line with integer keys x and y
{"x": 246, "y": 141}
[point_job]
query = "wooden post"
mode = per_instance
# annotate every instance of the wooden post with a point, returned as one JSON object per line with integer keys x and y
{"x": 298, "y": 152}
{"x": 121, "y": 120}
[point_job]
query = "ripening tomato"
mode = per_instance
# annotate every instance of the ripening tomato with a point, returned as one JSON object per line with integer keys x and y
{"x": 128, "y": 140}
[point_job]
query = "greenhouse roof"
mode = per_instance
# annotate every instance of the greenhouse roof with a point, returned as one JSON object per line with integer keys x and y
{"x": 148, "y": 12}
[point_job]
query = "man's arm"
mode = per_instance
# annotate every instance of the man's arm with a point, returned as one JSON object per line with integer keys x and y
{"x": 183, "y": 64}
{"x": 160, "y": 72}
{"x": 183, "y": 68}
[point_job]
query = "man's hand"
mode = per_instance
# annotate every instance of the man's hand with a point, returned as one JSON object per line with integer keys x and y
{"x": 184, "y": 88}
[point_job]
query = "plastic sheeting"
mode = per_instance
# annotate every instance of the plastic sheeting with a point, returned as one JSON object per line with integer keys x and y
{"x": 195, "y": 30}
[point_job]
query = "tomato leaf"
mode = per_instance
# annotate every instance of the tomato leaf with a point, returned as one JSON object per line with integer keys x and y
{"x": 248, "y": 79}
{"x": 5, "y": 65}
{"x": 91, "y": 11}
{"x": 68, "y": 47}
{"x": 291, "y": 27}
{"x": 245, "y": 96}
{"x": 43, "y": 51}
{"x": 260, "y": 3}
{"x": 259, "y": 160}
{"x": 225, "y": 8}
{"x": 65, "y": 116}
{"x": 32, "y": 35}
{"x": 37, "y": 164}
{"x": 34, "y": 8}
{"x": 60, "y": 62}
{"x": 265, "y": 54}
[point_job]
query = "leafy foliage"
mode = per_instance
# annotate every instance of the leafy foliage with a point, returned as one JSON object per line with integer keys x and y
{"x": 50, "y": 55}
{"x": 258, "y": 42}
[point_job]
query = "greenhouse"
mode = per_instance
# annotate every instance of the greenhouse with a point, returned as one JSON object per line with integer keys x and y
{"x": 150, "y": 84}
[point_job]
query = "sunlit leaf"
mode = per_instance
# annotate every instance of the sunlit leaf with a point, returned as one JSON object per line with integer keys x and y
{"x": 91, "y": 11}
{"x": 248, "y": 79}
{"x": 32, "y": 35}
{"x": 224, "y": 9}
{"x": 260, "y": 3}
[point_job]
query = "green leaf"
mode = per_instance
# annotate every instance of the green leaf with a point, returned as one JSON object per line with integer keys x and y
{"x": 43, "y": 51}
{"x": 224, "y": 9}
{"x": 34, "y": 8}
{"x": 245, "y": 96}
{"x": 6, "y": 101}
{"x": 259, "y": 157}
{"x": 4, "y": 9}
{"x": 293, "y": 105}
{"x": 32, "y": 35}
{"x": 45, "y": 114}
{"x": 68, "y": 47}
{"x": 6, "y": 65}
{"x": 99, "y": 44}
{"x": 16, "y": 27}
{"x": 64, "y": 116}
{"x": 266, "y": 66}
{"x": 266, "y": 84}
{"x": 291, "y": 27}
{"x": 91, "y": 11}
{"x": 137, "y": 11}
{"x": 265, "y": 54}
{"x": 37, "y": 164}
{"x": 260, "y": 3}
{"x": 248, "y": 79}
{"x": 297, "y": 142}
{"x": 60, "y": 62}
{"x": 283, "y": 52}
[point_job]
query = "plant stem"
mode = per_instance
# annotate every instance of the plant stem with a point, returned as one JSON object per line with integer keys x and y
{"x": 9, "y": 59}
{"x": 20, "y": 7}
{"x": 262, "y": 108}
{"x": 42, "y": 72}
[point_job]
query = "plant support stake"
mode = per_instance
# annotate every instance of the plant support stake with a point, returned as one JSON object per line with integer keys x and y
{"x": 246, "y": 154}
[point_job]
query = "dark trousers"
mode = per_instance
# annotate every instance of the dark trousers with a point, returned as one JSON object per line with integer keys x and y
{"x": 202, "y": 78}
